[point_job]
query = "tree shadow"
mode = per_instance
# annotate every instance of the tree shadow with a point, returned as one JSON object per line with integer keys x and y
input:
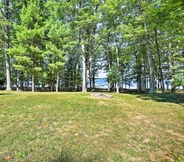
{"x": 63, "y": 158}
{"x": 66, "y": 158}
{"x": 5, "y": 94}
{"x": 177, "y": 98}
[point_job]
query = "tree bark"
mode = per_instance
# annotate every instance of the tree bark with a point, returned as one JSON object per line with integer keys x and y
{"x": 90, "y": 71}
{"x": 159, "y": 63}
{"x": 33, "y": 83}
{"x": 84, "y": 70}
{"x": 8, "y": 72}
{"x": 109, "y": 59}
{"x": 57, "y": 82}
{"x": 6, "y": 16}
{"x": 76, "y": 76}
{"x": 150, "y": 62}
{"x": 18, "y": 80}
{"x": 118, "y": 70}
{"x": 144, "y": 77}
{"x": 173, "y": 88}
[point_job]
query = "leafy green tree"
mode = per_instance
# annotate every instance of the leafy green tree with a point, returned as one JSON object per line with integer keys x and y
{"x": 29, "y": 34}
{"x": 55, "y": 50}
{"x": 64, "y": 41}
{"x": 86, "y": 20}
{"x": 5, "y": 25}
{"x": 9, "y": 10}
{"x": 2, "y": 69}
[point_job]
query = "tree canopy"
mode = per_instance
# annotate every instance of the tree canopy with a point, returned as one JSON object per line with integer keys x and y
{"x": 61, "y": 45}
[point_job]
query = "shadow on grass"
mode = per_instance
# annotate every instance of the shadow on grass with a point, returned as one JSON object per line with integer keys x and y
{"x": 63, "y": 158}
{"x": 67, "y": 155}
{"x": 5, "y": 94}
{"x": 176, "y": 98}
{"x": 66, "y": 158}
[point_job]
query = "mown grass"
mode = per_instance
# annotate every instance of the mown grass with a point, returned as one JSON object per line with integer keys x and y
{"x": 73, "y": 127}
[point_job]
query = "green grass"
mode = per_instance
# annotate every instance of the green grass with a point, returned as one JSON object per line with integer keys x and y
{"x": 73, "y": 127}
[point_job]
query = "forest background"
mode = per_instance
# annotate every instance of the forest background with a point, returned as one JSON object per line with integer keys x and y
{"x": 62, "y": 45}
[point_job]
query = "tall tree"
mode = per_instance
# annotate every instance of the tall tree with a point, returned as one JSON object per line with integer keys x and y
{"x": 29, "y": 33}
{"x": 5, "y": 25}
{"x": 87, "y": 17}
{"x": 130, "y": 38}
{"x": 58, "y": 41}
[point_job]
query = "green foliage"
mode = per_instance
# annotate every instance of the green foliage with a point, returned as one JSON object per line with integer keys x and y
{"x": 46, "y": 37}
{"x": 113, "y": 76}
{"x": 178, "y": 79}
{"x": 29, "y": 33}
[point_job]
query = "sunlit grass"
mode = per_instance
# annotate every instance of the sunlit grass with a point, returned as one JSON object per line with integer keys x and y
{"x": 75, "y": 127}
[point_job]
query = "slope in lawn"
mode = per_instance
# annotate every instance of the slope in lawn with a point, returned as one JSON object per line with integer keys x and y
{"x": 76, "y": 127}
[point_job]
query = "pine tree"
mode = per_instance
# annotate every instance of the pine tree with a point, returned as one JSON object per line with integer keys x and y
{"x": 5, "y": 24}
{"x": 29, "y": 34}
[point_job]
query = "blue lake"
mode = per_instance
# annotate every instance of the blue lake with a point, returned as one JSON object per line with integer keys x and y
{"x": 102, "y": 83}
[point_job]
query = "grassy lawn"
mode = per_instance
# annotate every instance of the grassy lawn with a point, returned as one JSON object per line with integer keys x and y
{"x": 74, "y": 127}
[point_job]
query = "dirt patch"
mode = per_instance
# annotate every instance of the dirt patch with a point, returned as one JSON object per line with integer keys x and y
{"x": 101, "y": 95}
{"x": 176, "y": 134}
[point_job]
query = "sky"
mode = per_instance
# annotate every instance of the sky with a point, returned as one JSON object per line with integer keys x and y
{"x": 102, "y": 74}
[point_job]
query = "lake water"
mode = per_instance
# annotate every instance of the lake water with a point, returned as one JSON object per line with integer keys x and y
{"x": 102, "y": 83}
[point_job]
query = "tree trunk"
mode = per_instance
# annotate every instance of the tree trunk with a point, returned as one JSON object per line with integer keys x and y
{"x": 139, "y": 72}
{"x": 84, "y": 71}
{"x": 150, "y": 62}
{"x": 33, "y": 83}
{"x": 173, "y": 88}
{"x": 18, "y": 80}
{"x": 8, "y": 72}
{"x": 76, "y": 76}
{"x": 93, "y": 80}
{"x": 109, "y": 83}
{"x": 159, "y": 63}
{"x": 109, "y": 58}
{"x": 57, "y": 82}
{"x": 118, "y": 70}
{"x": 52, "y": 86}
{"x": 90, "y": 71}
{"x": 6, "y": 16}
{"x": 143, "y": 77}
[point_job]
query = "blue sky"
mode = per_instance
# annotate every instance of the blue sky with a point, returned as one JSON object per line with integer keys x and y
{"x": 102, "y": 74}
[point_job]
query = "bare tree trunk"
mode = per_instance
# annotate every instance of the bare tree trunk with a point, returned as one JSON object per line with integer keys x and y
{"x": 76, "y": 75}
{"x": 8, "y": 72}
{"x": 109, "y": 83}
{"x": 52, "y": 85}
{"x": 93, "y": 80}
{"x": 173, "y": 88}
{"x": 139, "y": 72}
{"x": 144, "y": 80}
{"x": 150, "y": 62}
{"x": 109, "y": 59}
{"x": 90, "y": 70}
{"x": 118, "y": 70}
{"x": 6, "y": 16}
{"x": 33, "y": 83}
{"x": 84, "y": 71}
{"x": 18, "y": 80}
{"x": 57, "y": 82}
{"x": 159, "y": 63}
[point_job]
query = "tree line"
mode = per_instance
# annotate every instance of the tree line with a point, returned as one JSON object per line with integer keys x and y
{"x": 61, "y": 44}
